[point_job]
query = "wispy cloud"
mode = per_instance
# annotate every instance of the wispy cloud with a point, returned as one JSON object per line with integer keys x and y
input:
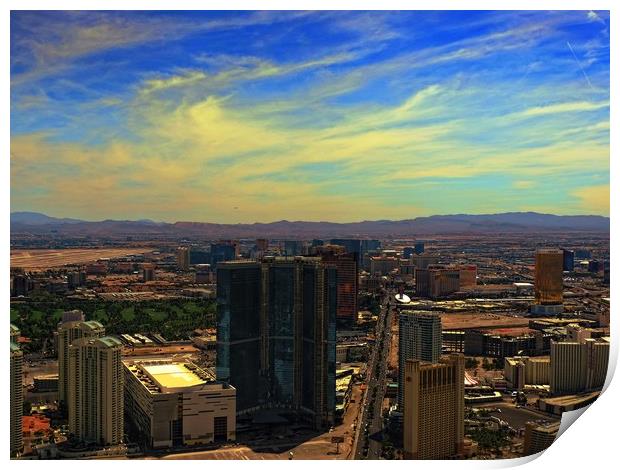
{"x": 310, "y": 121}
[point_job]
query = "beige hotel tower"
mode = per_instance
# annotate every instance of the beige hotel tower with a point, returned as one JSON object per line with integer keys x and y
{"x": 434, "y": 408}
{"x": 17, "y": 398}
{"x": 95, "y": 390}
{"x": 69, "y": 331}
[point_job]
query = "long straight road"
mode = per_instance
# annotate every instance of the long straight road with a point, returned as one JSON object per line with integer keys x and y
{"x": 371, "y": 424}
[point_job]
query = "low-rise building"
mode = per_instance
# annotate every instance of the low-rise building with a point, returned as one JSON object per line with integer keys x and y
{"x": 520, "y": 371}
{"x": 46, "y": 383}
{"x": 539, "y": 435}
{"x": 351, "y": 352}
{"x": 558, "y": 405}
{"x": 172, "y": 402}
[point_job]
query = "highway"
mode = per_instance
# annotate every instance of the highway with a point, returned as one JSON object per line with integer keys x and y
{"x": 368, "y": 444}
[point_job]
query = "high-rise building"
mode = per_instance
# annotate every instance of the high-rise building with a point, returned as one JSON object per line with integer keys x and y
{"x": 437, "y": 281}
{"x": 468, "y": 275}
{"x": 419, "y": 248}
{"x": 199, "y": 255}
{"x": 76, "y": 279}
{"x": 369, "y": 245}
{"x": 593, "y": 266}
{"x": 434, "y": 408}
{"x": 351, "y": 245}
{"x": 95, "y": 390}
{"x": 277, "y": 333}
{"x": 539, "y": 435}
{"x": 221, "y": 252}
{"x": 348, "y": 281}
{"x": 419, "y": 337}
{"x": 20, "y": 285}
{"x": 262, "y": 244}
{"x": 238, "y": 359}
{"x": 235, "y": 244}
{"x": 583, "y": 253}
{"x": 148, "y": 272}
{"x": 520, "y": 371}
{"x": 68, "y": 332}
{"x": 568, "y": 260}
{"x": 15, "y": 333}
{"x": 578, "y": 366}
{"x": 422, "y": 261}
{"x": 548, "y": 281}
{"x": 17, "y": 399}
{"x": 172, "y": 402}
{"x": 383, "y": 264}
{"x": 408, "y": 252}
{"x": 204, "y": 274}
{"x": 293, "y": 248}
{"x": 183, "y": 254}
{"x": 72, "y": 315}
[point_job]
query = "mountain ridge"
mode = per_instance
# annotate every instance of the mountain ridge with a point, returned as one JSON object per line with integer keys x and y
{"x": 436, "y": 224}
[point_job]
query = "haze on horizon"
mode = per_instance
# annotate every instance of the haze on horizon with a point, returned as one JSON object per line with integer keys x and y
{"x": 316, "y": 116}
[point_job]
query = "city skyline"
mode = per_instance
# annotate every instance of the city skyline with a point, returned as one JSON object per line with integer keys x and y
{"x": 261, "y": 116}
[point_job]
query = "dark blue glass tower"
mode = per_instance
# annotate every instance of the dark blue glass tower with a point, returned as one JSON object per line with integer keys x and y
{"x": 287, "y": 321}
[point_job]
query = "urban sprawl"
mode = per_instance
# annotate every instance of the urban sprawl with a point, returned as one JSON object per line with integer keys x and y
{"x": 442, "y": 347}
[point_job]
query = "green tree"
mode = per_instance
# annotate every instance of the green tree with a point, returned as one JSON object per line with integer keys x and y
{"x": 471, "y": 363}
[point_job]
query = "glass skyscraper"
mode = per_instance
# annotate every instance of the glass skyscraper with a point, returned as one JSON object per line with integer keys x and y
{"x": 277, "y": 345}
{"x": 419, "y": 337}
{"x": 238, "y": 330}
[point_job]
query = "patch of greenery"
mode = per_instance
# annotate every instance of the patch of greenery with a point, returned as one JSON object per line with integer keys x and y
{"x": 128, "y": 314}
{"x": 490, "y": 439}
{"x": 38, "y": 317}
{"x": 471, "y": 363}
{"x": 14, "y": 315}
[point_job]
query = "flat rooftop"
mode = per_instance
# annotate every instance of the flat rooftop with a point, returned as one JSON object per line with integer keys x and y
{"x": 172, "y": 375}
{"x": 568, "y": 400}
{"x": 486, "y": 321}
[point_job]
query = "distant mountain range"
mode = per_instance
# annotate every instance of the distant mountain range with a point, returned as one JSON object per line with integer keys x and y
{"x": 512, "y": 222}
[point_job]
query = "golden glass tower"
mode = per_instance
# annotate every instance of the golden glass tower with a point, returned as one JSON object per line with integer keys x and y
{"x": 548, "y": 282}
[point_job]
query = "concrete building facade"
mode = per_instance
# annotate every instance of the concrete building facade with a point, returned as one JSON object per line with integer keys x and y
{"x": 183, "y": 254}
{"x": 171, "y": 402}
{"x": 68, "y": 332}
{"x": 520, "y": 371}
{"x": 348, "y": 281}
{"x": 437, "y": 281}
{"x": 17, "y": 398}
{"x": 539, "y": 436}
{"x": 434, "y": 408}
{"x": 95, "y": 390}
{"x": 578, "y": 366}
{"x": 419, "y": 337}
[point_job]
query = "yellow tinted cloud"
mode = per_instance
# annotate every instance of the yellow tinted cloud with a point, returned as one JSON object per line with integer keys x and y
{"x": 199, "y": 160}
{"x": 594, "y": 199}
{"x": 572, "y": 107}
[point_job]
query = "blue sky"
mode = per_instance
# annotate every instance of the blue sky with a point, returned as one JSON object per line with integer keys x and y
{"x": 342, "y": 116}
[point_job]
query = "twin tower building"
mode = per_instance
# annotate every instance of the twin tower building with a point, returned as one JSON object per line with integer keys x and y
{"x": 276, "y": 335}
